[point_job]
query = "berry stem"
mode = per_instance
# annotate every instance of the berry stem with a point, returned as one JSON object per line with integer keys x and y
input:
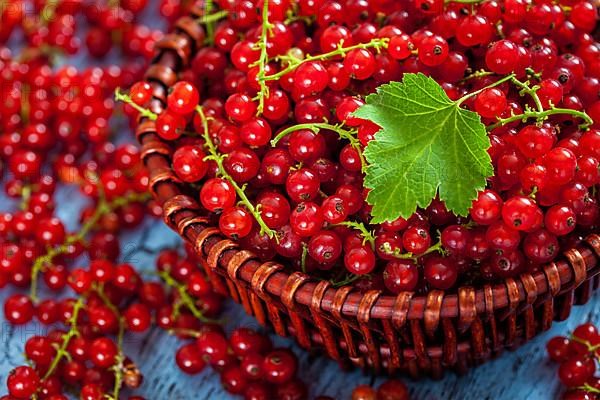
{"x": 117, "y": 368}
{"x": 531, "y": 91}
{"x": 349, "y": 278}
{"x": 218, "y": 159}
{"x": 263, "y": 59}
{"x": 477, "y": 74}
{"x": 293, "y": 62}
{"x": 303, "y": 257}
{"x": 210, "y": 27}
{"x": 120, "y": 96}
{"x": 541, "y": 116}
{"x": 103, "y": 207}
{"x": 475, "y": 93}
{"x": 349, "y": 135}
{"x": 209, "y": 19}
{"x": 184, "y": 296}
{"x": 365, "y": 233}
{"x": 48, "y": 12}
{"x": 61, "y": 351}
{"x": 410, "y": 256}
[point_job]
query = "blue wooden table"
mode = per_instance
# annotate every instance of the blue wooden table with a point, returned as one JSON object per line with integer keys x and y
{"x": 523, "y": 374}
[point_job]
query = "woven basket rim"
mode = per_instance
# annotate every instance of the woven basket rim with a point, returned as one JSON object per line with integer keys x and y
{"x": 569, "y": 270}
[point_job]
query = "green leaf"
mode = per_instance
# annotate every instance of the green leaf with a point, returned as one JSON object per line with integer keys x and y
{"x": 428, "y": 145}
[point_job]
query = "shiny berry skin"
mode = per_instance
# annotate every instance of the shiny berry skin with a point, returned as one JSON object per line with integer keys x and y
{"x": 255, "y": 132}
{"x": 540, "y": 246}
{"x": 140, "y": 93}
{"x": 587, "y": 332}
{"x": 487, "y": 208}
{"x": 245, "y": 341}
{"x": 401, "y": 276}
{"x": 213, "y": 347}
{"x": 560, "y": 220}
{"x": 416, "y": 240}
{"x": 502, "y": 237}
{"x": 558, "y": 349}
{"x": 138, "y": 317}
{"x": 189, "y": 164}
{"x": 400, "y": 47}
{"x": 360, "y": 260}
{"x": 507, "y": 264}
{"x": 576, "y": 371}
{"x": 189, "y": 359}
{"x": 302, "y": 185}
{"x": 274, "y": 209}
{"x": 103, "y": 352}
{"x": 359, "y": 63}
{"x": 534, "y": 141}
{"x": 433, "y": 51}
{"x": 325, "y": 247}
{"x": 306, "y": 145}
{"x": 306, "y": 219}
{"x": 233, "y": 380}
{"x": 392, "y": 389}
{"x": 490, "y": 103}
{"x": 334, "y": 209}
{"x": 440, "y": 272}
{"x": 11, "y": 258}
{"x": 502, "y": 57}
{"x": 521, "y": 213}
{"x": 311, "y": 78}
{"x": 561, "y": 164}
{"x": 183, "y": 99}
{"x": 40, "y": 350}
{"x": 240, "y": 107}
{"x": 18, "y": 309}
{"x": 454, "y": 239}
{"x": 22, "y": 382}
{"x": 217, "y": 195}
{"x": 242, "y": 164}
{"x": 169, "y": 125}
{"x": 279, "y": 366}
{"x": 235, "y": 222}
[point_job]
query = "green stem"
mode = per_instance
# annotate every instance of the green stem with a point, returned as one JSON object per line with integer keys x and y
{"x": 117, "y": 368}
{"x": 475, "y": 93}
{"x": 541, "y": 116}
{"x": 263, "y": 59}
{"x": 347, "y": 280}
{"x": 66, "y": 338}
{"x": 303, "y": 258}
{"x": 120, "y": 96}
{"x": 210, "y": 27}
{"x": 531, "y": 91}
{"x": 410, "y": 256}
{"x": 25, "y": 196}
{"x": 48, "y": 11}
{"x": 212, "y": 18}
{"x": 218, "y": 159}
{"x": 293, "y": 63}
{"x": 184, "y": 332}
{"x": 349, "y": 135}
{"x": 104, "y": 207}
{"x": 184, "y": 296}
{"x": 477, "y": 74}
{"x": 359, "y": 226}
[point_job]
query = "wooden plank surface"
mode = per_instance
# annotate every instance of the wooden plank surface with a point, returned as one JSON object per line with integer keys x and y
{"x": 523, "y": 374}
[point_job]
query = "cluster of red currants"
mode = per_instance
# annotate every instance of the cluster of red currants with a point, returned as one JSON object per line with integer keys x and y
{"x": 279, "y": 157}
{"x": 577, "y": 355}
{"x": 51, "y": 28}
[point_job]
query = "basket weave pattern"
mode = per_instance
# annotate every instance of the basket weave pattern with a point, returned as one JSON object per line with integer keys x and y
{"x": 420, "y": 335}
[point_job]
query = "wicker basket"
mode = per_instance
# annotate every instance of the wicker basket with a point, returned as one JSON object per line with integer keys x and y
{"x": 420, "y": 335}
